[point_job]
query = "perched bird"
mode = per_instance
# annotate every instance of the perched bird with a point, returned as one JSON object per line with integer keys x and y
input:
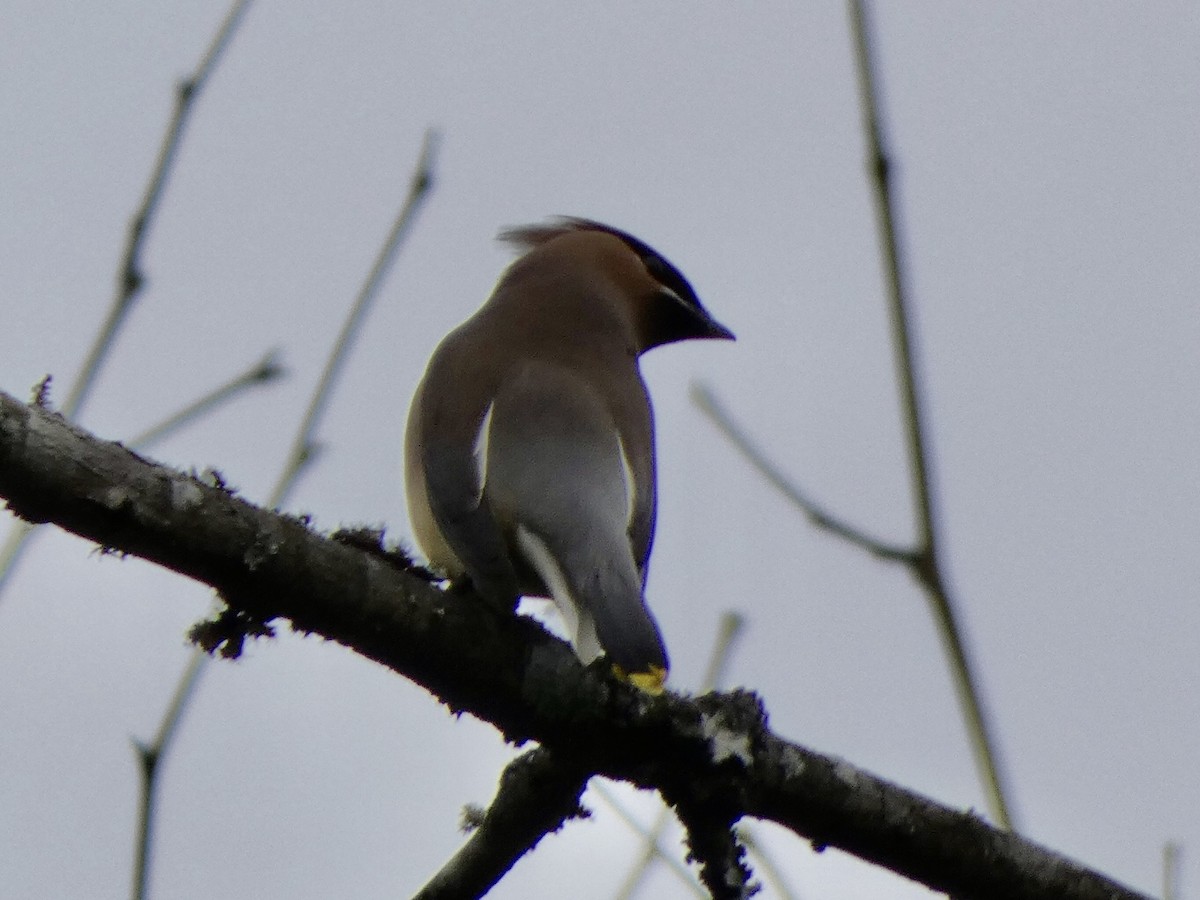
{"x": 529, "y": 456}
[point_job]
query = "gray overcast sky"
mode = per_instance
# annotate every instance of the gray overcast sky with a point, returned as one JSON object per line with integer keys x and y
{"x": 1050, "y": 188}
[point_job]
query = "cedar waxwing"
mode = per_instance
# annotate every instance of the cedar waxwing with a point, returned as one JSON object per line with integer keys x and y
{"x": 529, "y": 456}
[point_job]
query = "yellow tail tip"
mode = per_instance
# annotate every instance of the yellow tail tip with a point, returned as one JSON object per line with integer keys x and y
{"x": 649, "y": 682}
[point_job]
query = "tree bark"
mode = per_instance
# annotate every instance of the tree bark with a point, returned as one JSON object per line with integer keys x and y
{"x": 713, "y": 758}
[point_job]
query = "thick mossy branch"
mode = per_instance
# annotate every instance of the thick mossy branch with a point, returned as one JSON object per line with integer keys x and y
{"x": 714, "y": 758}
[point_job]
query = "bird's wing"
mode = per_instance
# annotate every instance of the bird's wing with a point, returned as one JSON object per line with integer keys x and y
{"x": 556, "y": 475}
{"x": 445, "y": 483}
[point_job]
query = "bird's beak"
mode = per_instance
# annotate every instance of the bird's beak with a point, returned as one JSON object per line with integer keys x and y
{"x": 715, "y": 330}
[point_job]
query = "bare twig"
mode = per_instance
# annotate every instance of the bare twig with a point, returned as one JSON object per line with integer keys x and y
{"x": 927, "y": 566}
{"x": 537, "y": 795}
{"x": 130, "y": 278}
{"x": 923, "y": 560}
{"x": 304, "y": 446}
{"x": 301, "y": 454}
{"x": 149, "y": 757}
{"x": 729, "y": 629}
{"x": 14, "y": 543}
{"x": 262, "y": 372}
{"x": 919, "y": 561}
{"x": 1172, "y": 865}
{"x": 706, "y": 401}
{"x": 653, "y": 848}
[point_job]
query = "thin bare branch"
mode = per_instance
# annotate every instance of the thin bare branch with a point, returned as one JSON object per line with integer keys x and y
{"x": 536, "y": 796}
{"x": 652, "y": 847}
{"x": 130, "y": 278}
{"x": 150, "y": 757}
{"x": 880, "y": 167}
{"x": 925, "y": 560}
{"x": 729, "y": 629}
{"x": 301, "y": 455}
{"x": 1172, "y": 865}
{"x": 927, "y": 565}
{"x": 261, "y": 373}
{"x": 304, "y": 444}
{"x": 706, "y": 401}
{"x": 10, "y": 553}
